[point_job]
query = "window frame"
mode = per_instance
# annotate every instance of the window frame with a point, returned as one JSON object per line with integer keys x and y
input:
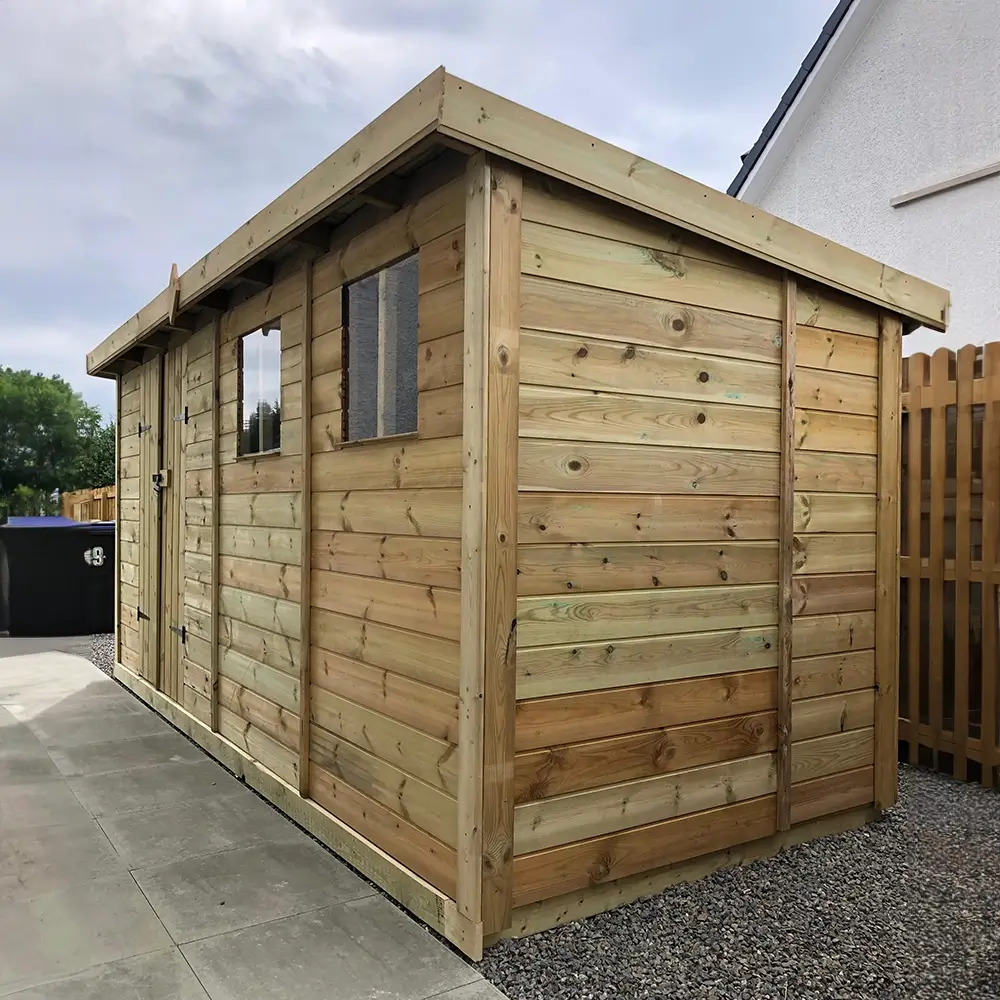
{"x": 345, "y": 409}
{"x": 271, "y": 326}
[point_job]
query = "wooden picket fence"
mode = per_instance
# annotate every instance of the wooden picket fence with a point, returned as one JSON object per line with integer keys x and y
{"x": 90, "y": 505}
{"x": 949, "y": 566}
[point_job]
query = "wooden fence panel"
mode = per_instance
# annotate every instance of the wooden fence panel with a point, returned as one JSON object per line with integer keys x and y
{"x": 90, "y": 505}
{"x": 949, "y": 562}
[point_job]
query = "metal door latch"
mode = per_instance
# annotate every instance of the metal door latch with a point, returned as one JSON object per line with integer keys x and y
{"x": 161, "y": 480}
{"x": 182, "y": 632}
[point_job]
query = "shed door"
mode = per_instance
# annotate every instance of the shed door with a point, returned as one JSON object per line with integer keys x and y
{"x": 172, "y": 629}
{"x": 149, "y": 430}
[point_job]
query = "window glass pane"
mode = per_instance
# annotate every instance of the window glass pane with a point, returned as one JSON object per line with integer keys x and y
{"x": 260, "y": 390}
{"x": 362, "y": 358}
{"x": 382, "y": 352}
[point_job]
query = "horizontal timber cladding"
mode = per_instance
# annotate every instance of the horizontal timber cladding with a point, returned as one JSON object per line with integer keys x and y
{"x": 646, "y": 726}
{"x": 385, "y": 554}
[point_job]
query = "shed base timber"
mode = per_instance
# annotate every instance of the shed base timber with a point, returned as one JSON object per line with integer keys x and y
{"x": 409, "y": 890}
{"x": 572, "y": 906}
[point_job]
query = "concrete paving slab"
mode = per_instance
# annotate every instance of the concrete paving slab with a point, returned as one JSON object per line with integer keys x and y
{"x": 365, "y": 948}
{"x": 196, "y": 829}
{"x": 91, "y": 759}
{"x": 224, "y": 892}
{"x": 162, "y": 975}
{"x": 94, "y": 726}
{"x": 481, "y": 990}
{"x": 27, "y": 767}
{"x": 53, "y": 858}
{"x": 41, "y": 803}
{"x": 58, "y": 934}
{"x": 153, "y": 787}
{"x": 28, "y": 645}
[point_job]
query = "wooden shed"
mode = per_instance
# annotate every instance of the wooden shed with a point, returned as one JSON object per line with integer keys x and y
{"x": 520, "y": 516}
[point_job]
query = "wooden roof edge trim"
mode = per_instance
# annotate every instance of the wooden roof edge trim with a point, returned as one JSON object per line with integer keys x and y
{"x": 412, "y": 118}
{"x": 496, "y": 124}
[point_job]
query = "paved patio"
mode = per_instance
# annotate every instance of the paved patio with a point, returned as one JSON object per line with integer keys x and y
{"x": 132, "y": 865}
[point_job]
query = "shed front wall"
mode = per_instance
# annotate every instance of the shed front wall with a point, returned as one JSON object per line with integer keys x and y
{"x": 649, "y": 447}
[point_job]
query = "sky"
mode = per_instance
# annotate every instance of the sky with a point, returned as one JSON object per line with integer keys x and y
{"x": 139, "y": 133}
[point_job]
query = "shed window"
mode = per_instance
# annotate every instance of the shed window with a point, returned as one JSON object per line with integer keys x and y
{"x": 382, "y": 353}
{"x": 260, "y": 390}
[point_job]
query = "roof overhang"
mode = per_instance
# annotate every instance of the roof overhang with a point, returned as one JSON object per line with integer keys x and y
{"x": 451, "y": 111}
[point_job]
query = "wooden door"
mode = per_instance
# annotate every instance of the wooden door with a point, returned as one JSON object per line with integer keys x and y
{"x": 172, "y": 630}
{"x": 150, "y": 431}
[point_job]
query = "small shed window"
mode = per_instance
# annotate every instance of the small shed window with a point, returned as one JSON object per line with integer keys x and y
{"x": 260, "y": 390}
{"x": 382, "y": 353}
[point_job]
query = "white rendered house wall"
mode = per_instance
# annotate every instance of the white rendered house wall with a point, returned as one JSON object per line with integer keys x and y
{"x": 915, "y": 104}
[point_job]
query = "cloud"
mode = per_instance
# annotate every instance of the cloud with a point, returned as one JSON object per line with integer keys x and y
{"x": 139, "y": 134}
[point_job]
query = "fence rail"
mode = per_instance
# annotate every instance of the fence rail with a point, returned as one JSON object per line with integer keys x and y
{"x": 90, "y": 505}
{"x": 949, "y": 566}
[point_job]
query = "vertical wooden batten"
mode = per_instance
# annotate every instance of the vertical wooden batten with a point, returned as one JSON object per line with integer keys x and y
{"x": 469, "y": 878}
{"x": 887, "y": 561}
{"x": 786, "y": 529}
{"x": 991, "y": 511}
{"x": 305, "y": 594}
{"x": 118, "y": 518}
{"x": 214, "y": 542}
{"x": 503, "y": 376}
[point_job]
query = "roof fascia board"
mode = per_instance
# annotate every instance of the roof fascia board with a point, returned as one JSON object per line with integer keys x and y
{"x": 807, "y": 100}
{"x": 500, "y": 126}
{"x": 407, "y": 122}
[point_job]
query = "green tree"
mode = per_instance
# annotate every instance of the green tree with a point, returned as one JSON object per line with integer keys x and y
{"x": 45, "y": 428}
{"x": 96, "y": 462}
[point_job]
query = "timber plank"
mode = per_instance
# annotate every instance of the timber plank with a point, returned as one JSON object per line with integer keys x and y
{"x": 602, "y": 859}
{"x": 594, "y": 715}
{"x": 271, "y": 613}
{"x": 275, "y": 756}
{"x": 833, "y": 633}
{"x": 828, "y": 350}
{"x": 812, "y": 717}
{"x": 624, "y": 267}
{"x": 275, "y": 685}
{"x": 270, "y": 718}
{"x": 820, "y": 595}
{"x": 593, "y": 666}
{"x": 327, "y": 431}
{"x": 423, "y": 805}
{"x": 832, "y": 794}
{"x": 595, "y": 812}
{"x": 390, "y": 465}
{"x": 422, "y": 657}
{"x": 940, "y": 378}
{"x": 428, "y": 512}
{"x": 850, "y": 433}
{"x": 429, "y": 709}
{"x": 327, "y": 347}
{"x": 441, "y": 363}
{"x": 553, "y": 771}
{"x": 836, "y": 392}
{"x": 271, "y": 474}
{"x": 269, "y": 648}
{"x": 834, "y": 553}
{"x": 829, "y": 754}
{"x": 823, "y": 471}
{"x": 278, "y": 545}
{"x": 564, "y": 307}
{"x": 432, "y": 760}
{"x": 820, "y": 306}
{"x": 595, "y": 517}
{"x": 635, "y": 468}
{"x": 817, "y": 513}
{"x": 545, "y": 620}
{"x": 832, "y": 673}
{"x": 402, "y": 840}
{"x": 272, "y": 579}
{"x": 442, "y": 259}
{"x": 434, "y": 610}
{"x": 433, "y": 562}
{"x": 440, "y": 312}
{"x": 578, "y": 415}
{"x": 584, "y": 567}
{"x": 571, "y": 362}
{"x": 440, "y": 413}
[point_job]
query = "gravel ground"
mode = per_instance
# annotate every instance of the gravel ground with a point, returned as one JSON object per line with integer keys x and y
{"x": 908, "y": 907}
{"x": 102, "y": 652}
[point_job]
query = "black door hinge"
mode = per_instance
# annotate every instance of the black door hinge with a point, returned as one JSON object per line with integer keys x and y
{"x": 182, "y": 632}
{"x": 144, "y": 427}
{"x": 182, "y": 416}
{"x": 139, "y": 615}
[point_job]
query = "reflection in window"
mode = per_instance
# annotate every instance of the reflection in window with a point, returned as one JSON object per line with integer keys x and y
{"x": 260, "y": 390}
{"x": 382, "y": 352}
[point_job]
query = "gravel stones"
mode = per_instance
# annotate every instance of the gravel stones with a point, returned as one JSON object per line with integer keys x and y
{"x": 102, "y": 652}
{"x": 906, "y": 907}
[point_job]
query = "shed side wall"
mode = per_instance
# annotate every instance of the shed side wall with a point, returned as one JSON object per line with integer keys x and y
{"x": 648, "y": 547}
{"x": 386, "y": 556}
{"x": 129, "y": 648}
